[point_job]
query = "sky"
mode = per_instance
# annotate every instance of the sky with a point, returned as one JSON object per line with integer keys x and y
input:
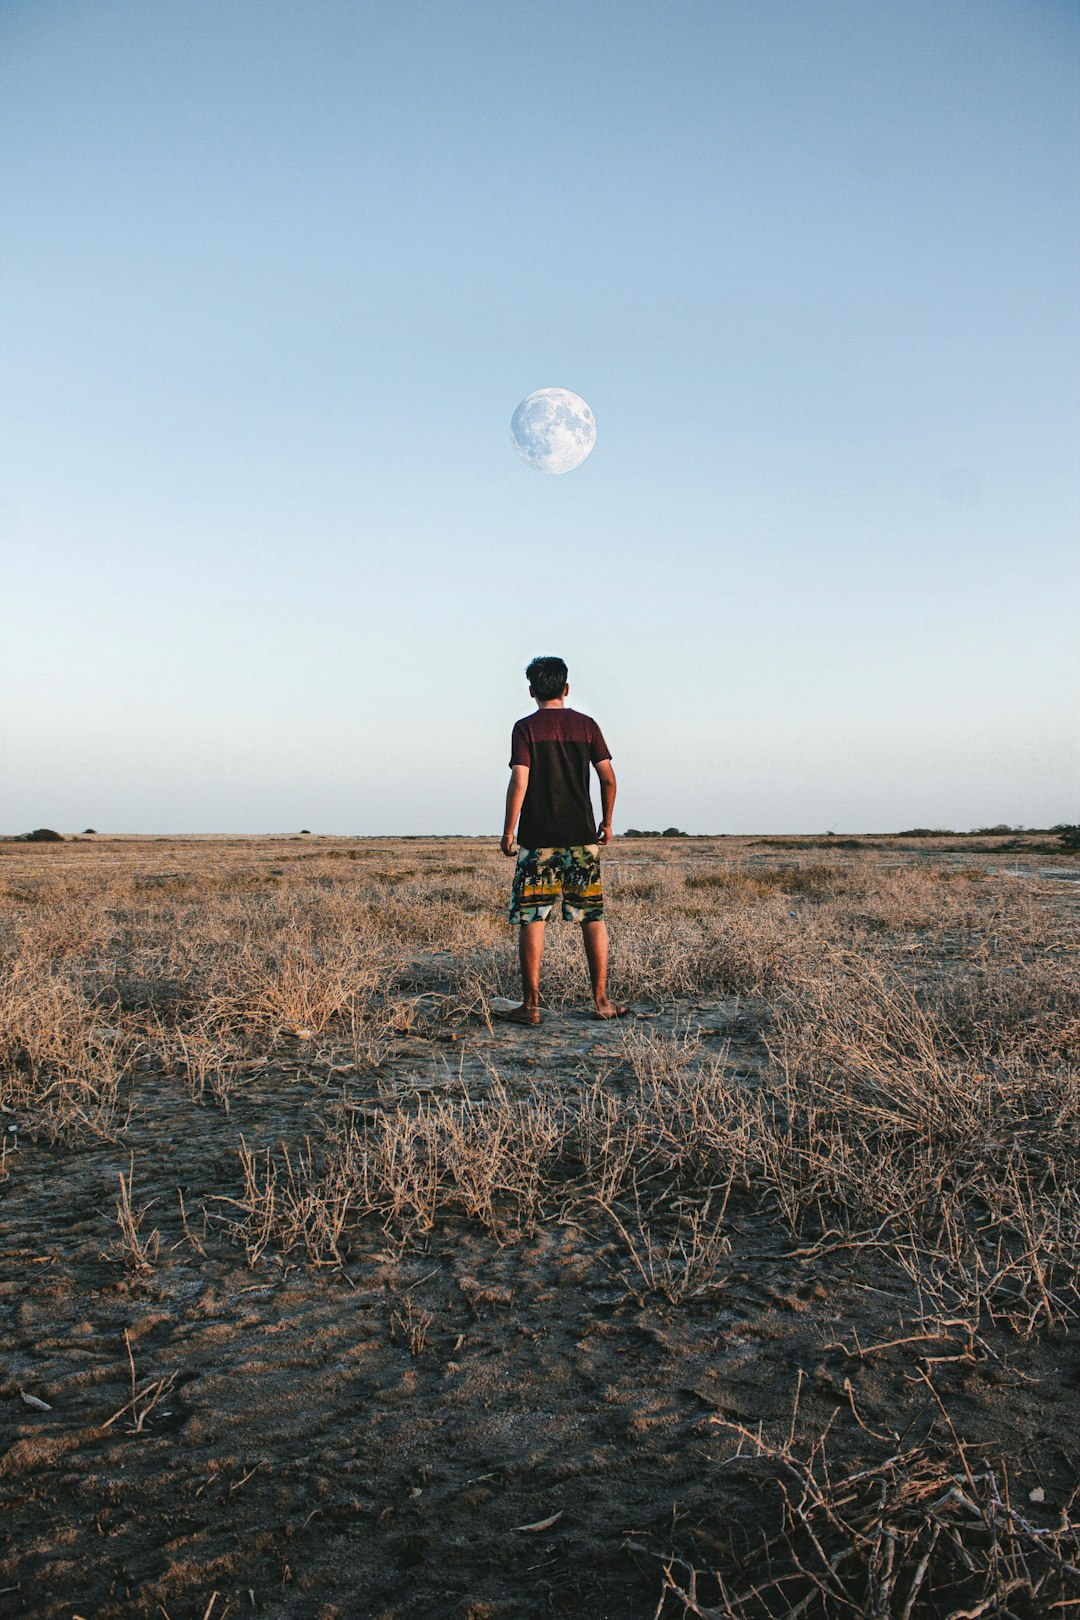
{"x": 275, "y": 277}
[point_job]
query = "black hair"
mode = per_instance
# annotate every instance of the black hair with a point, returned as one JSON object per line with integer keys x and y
{"x": 547, "y": 678}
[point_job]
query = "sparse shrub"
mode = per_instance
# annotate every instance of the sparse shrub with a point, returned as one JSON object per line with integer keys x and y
{"x": 750, "y": 882}
{"x": 1068, "y": 836}
{"x": 918, "y": 1529}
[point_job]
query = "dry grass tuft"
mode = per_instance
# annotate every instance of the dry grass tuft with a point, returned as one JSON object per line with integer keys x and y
{"x": 130, "y": 1246}
{"x": 920, "y": 1529}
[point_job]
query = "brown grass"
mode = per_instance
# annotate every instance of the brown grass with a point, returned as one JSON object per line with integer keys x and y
{"x": 913, "y": 1104}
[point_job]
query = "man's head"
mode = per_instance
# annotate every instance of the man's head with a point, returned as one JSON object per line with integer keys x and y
{"x": 547, "y": 679}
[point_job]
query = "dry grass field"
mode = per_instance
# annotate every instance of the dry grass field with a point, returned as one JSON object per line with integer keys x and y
{"x": 323, "y": 1297}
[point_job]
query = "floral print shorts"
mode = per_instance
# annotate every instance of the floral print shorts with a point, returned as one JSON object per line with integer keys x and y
{"x": 542, "y": 876}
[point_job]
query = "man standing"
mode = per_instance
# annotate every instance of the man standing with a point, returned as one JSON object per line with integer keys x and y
{"x": 559, "y": 854}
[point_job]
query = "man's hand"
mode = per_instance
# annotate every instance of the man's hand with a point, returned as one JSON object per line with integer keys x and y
{"x": 606, "y": 772}
{"x": 515, "y": 798}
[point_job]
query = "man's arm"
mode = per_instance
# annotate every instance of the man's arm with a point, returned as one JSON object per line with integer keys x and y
{"x": 515, "y": 798}
{"x": 605, "y": 771}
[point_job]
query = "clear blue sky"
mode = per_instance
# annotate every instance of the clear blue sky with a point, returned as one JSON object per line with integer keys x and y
{"x": 275, "y": 277}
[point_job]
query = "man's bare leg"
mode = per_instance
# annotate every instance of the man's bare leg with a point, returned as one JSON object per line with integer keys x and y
{"x": 530, "y": 955}
{"x": 594, "y": 937}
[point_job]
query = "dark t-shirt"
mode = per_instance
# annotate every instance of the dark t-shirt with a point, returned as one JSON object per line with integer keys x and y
{"x": 558, "y": 746}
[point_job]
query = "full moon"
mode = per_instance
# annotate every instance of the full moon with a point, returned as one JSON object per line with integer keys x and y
{"x": 553, "y": 430}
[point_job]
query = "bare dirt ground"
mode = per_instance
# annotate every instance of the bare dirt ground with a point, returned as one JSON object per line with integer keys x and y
{"x": 322, "y": 1296}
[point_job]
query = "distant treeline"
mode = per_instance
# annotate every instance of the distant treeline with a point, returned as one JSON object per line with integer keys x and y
{"x": 1066, "y": 833}
{"x": 668, "y": 832}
